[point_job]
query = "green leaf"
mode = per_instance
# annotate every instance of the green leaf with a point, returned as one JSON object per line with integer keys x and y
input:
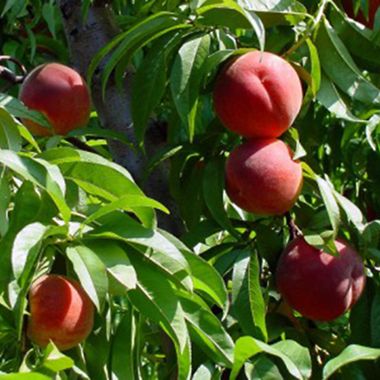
{"x": 49, "y": 13}
{"x": 256, "y": 298}
{"x": 274, "y": 12}
{"x": 118, "y": 265}
{"x": 133, "y": 37}
{"x": 358, "y": 41}
{"x": 8, "y": 5}
{"x": 206, "y": 279}
{"x": 165, "y": 254}
{"x": 123, "y": 348}
{"x": 54, "y": 360}
{"x": 315, "y": 70}
{"x": 5, "y": 197}
{"x": 127, "y": 203}
{"x": 27, "y": 205}
{"x": 190, "y": 197}
{"x": 269, "y": 244}
{"x": 246, "y": 347}
{"x": 137, "y": 37}
{"x": 373, "y": 124}
{"x": 25, "y": 250}
{"x": 230, "y": 14}
{"x": 247, "y": 299}
{"x": 91, "y": 272}
{"x": 213, "y": 188}
{"x": 186, "y": 78}
{"x": 9, "y": 134}
{"x": 350, "y": 354}
{"x": 330, "y": 98}
{"x": 327, "y": 193}
{"x": 97, "y": 352}
{"x": 18, "y": 109}
{"x": 24, "y": 376}
{"x": 353, "y": 213}
{"x": 42, "y": 174}
{"x": 214, "y": 60}
{"x": 341, "y": 69}
{"x": 98, "y": 176}
{"x": 298, "y": 354}
{"x": 156, "y": 299}
{"x": 262, "y": 368}
{"x": 207, "y": 331}
{"x": 203, "y": 372}
{"x": 150, "y": 82}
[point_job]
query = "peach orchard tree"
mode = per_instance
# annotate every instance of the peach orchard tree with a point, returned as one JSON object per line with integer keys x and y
{"x": 134, "y": 206}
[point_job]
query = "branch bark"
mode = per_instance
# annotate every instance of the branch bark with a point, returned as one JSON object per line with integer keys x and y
{"x": 85, "y": 39}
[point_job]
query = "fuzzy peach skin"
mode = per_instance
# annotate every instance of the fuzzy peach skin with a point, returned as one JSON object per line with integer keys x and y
{"x": 258, "y": 95}
{"x": 372, "y": 9}
{"x": 61, "y": 94}
{"x": 318, "y": 285}
{"x": 262, "y": 177}
{"x": 60, "y": 310}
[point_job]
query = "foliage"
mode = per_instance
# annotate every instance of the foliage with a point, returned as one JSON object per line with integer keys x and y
{"x": 203, "y": 305}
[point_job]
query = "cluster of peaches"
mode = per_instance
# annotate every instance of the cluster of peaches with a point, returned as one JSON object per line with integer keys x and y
{"x": 258, "y": 95}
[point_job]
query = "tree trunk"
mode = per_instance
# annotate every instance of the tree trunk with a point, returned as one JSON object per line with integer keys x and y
{"x": 85, "y": 39}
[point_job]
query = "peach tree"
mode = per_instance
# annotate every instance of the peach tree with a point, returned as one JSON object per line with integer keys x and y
{"x": 218, "y": 206}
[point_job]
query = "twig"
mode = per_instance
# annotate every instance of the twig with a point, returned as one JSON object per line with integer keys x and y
{"x": 5, "y": 58}
{"x": 9, "y": 75}
{"x": 309, "y": 30}
{"x": 80, "y": 145}
{"x": 294, "y": 230}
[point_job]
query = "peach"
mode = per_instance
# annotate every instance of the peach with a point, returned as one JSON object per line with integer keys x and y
{"x": 262, "y": 177}
{"x": 258, "y": 95}
{"x": 369, "y": 22}
{"x": 60, "y": 310}
{"x": 318, "y": 285}
{"x": 61, "y": 94}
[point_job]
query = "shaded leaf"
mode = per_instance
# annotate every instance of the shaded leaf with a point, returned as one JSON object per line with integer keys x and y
{"x": 350, "y": 354}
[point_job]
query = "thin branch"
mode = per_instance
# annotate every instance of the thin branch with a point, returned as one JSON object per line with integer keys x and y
{"x": 80, "y": 144}
{"x": 10, "y": 76}
{"x": 294, "y": 230}
{"x": 309, "y": 31}
{"x": 5, "y": 58}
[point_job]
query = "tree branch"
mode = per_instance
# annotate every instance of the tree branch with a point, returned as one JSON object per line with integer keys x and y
{"x": 114, "y": 110}
{"x": 8, "y": 75}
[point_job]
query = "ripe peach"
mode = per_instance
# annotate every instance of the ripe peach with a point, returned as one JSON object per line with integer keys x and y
{"x": 318, "y": 285}
{"x": 262, "y": 177}
{"x": 373, "y": 6}
{"x": 60, "y": 310}
{"x": 61, "y": 94}
{"x": 258, "y": 95}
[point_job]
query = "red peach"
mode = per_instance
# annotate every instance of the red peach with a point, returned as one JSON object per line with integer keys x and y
{"x": 262, "y": 177}
{"x": 373, "y": 6}
{"x": 318, "y": 285}
{"x": 258, "y": 95}
{"x": 60, "y": 310}
{"x": 61, "y": 94}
